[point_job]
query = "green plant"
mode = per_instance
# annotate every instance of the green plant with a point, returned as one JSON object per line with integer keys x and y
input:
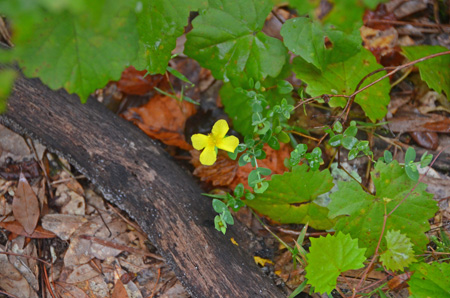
{"x": 81, "y": 46}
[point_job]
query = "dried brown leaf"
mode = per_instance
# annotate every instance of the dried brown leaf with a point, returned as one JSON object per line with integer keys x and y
{"x": 26, "y": 205}
{"x": 137, "y": 82}
{"x": 163, "y": 118}
{"x": 119, "y": 290}
{"x": 16, "y": 228}
{"x": 12, "y": 281}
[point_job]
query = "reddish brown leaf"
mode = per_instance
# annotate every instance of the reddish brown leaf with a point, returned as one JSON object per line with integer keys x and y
{"x": 26, "y": 205}
{"x": 12, "y": 171}
{"x": 227, "y": 172}
{"x": 16, "y": 228}
{"x": 163, "y": 118}
{"x": 426, "y": 139}
{"x": 399, "y": 281}
{"x": 439, "y": 126}
{"x": 136, "y": 82}
{"x": 119, "y": 290}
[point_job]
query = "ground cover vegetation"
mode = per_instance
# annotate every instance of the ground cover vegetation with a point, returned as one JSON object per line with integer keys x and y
{"x": 375, "y": 222}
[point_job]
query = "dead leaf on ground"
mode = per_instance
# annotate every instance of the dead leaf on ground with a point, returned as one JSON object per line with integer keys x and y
{"x": 119, "y": 290}
{"x": 26, "y": 205}
{"x": 16, "y": 228}
{"x": 138, "y": 82}
{"x": 163, "y": 118}
{"x": 11, "y": 281}
{"x": 227, "y": 172}
{"x": 69, "y": 201}
{"x": 63, "y": 225}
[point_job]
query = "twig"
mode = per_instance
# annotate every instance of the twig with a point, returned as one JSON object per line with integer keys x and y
{"x": 156, "y": 284}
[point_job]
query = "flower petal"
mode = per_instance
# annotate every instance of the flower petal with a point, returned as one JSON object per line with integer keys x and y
{"x": 220, "y": 129}
{"x": 199, "y": 141}
{"x": 208, "y": 156}
{"x": 228, "y": 144}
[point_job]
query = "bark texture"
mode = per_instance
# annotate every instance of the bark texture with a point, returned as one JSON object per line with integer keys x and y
{"x": 134, "y": 173}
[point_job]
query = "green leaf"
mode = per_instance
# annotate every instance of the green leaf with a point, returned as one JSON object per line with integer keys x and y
{"x": 335, "y": 141}
{"x": 227, "y": 39}
{"x": 81, "y": 52}
{"x": 412, "y": 172}
{"x": 430, "y": 280}
{"x": 289, "y": 198}
{"x": 387, "y": 156}
{"x": 219, "y": 206}
{"x": 349, "y": 142}
{"x": 410, "y": 155}
{"x": 330, "y": 256}
{"x": 160, "y": 23}
{"x": 284, "y": 87}
{"x": 239, "y": 190}
{"x": 337, "y": 127}
{"x": 399, "y": 253}
{"x": 306, "y": 38}
{"x": 304, "y": 6}
{"x": 436, "y": 71}
{"x": 237, "y": 106}
{"x": 346, "y": 15}
{"x": 343, "y": 77}
{"x": 364, "y": 212}
{"x": 7, "y": 77}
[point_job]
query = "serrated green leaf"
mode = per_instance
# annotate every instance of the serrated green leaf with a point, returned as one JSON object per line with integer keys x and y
{"x": 436, "y": 71}
{"x": 430, "y": 280}
{"x": 306, "y": 38}
{"x": 227, "y": 39}
{"x": 7, "y": 77}
{"x": 399, "y": 253}
{"x": 237, "y": 106}
{"x": 160, "y": 23}
{"x": 304, "y": 6}
{"x": 81, "y": 52}
{"x": 346, "y": 15}
{"x": 289, "y": 198}
{"x": 343, "y": 77}
{"x": 330, "y": 256}
{"x": 365, "y": 211}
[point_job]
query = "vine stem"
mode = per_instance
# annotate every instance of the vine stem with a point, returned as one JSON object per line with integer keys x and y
{"x": 386, "y": 215}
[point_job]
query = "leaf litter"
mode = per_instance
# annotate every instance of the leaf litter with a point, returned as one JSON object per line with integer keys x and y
{"x": 96, "y": 252}
{"x": 85, "y": 246}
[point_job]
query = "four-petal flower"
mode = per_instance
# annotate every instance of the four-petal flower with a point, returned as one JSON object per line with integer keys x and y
{"x": 216, "y": 139}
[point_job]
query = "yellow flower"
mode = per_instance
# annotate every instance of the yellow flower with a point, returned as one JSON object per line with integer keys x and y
{"x": 216, "y": 139}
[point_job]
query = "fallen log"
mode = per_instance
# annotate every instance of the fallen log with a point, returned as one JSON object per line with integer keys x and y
{"x": 134, "y": 173}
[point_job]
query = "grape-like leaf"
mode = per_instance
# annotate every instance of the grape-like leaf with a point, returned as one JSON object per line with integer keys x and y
{"x": 289, "y": 198}
{"x": 160, "y": 23}
{"x": 365, "y": 212}
{"x": 330, "y": 256}
{"x": 227, "y": 39}
{"x": 436, "y": 71}
{"x": 306, "y": 38}
{"x": 343, "y": 77}
{"x": 399, "y": 253}
{"x": 81, "y": 52}
{"x": 430, "y": 280}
